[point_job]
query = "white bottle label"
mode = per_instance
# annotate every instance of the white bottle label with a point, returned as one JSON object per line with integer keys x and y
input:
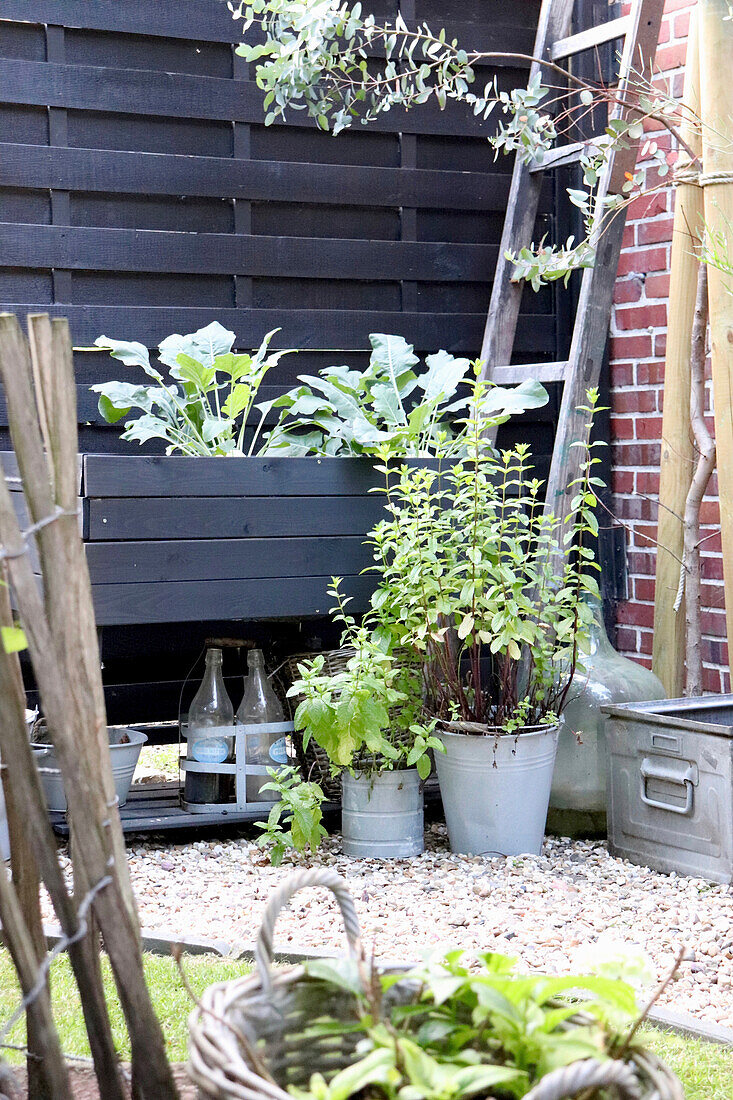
{"x": 279, "y": 751}
{"x": 209, "y": 744}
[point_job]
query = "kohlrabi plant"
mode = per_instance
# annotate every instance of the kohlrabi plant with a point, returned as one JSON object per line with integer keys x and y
{"x": 204, "y": 405}
{"x": 391, "y": 404}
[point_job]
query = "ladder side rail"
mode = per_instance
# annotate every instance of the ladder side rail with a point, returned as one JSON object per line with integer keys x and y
{"x": 596, "y": 293}
{"x": 521, "y": 214}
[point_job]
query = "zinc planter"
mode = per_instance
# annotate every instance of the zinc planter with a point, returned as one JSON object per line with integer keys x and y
{"x": 496, "y": 789}
{"x": 124, "y": 757}
{"x": 670, "y": 784}
{"x": 382, "y": 816}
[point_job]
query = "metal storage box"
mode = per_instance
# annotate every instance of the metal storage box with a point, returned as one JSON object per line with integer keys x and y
{"x": 670, "y": 785}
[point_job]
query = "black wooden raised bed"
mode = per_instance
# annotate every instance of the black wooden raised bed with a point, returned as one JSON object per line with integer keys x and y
{"x": 175, "y": 539}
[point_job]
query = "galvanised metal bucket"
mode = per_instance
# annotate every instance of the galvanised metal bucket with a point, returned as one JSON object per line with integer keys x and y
{"x": 382, "y": 816}
{"x": 123, "y": 755}
{"x": 496, "y": 789}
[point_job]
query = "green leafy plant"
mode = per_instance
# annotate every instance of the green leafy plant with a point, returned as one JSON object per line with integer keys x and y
{"x": 312, "y": 56}
{"x": 205, "y": 405}
{"x": 294, "y": 822}
{"x": 351, "y": 412}
{"x": 467, "y": 1029}
{"x": 483, "y": 587}
{"x": 368, "y": 716}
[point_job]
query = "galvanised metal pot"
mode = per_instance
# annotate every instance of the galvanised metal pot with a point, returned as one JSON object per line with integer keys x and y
{"x": 382, "y": 815}
{"x": 496, "y": 787}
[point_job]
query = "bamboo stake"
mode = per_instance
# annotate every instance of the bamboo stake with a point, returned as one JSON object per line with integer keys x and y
{"x": 716, "y": 65}
{"x": 677, "y": 462}
{"x": 64, "y": 653}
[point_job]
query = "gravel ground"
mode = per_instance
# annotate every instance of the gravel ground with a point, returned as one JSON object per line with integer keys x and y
{"x": 543, "y": 909}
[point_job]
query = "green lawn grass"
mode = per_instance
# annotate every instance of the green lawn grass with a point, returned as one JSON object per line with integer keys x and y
{"x": 706, "y": 1070}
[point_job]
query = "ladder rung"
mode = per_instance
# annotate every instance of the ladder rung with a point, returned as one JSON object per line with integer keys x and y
{"x": 563, "y": 154}
{"x": 594, "y": 36}
{"x": 520, "y": 372}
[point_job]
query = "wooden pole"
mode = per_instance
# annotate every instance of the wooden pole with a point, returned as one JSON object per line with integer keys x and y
{"x": 63, "y": 647}
{"x": 677, "y": 462}
{"x": 24, "y": 783}
{"x": 705, "y": 447}
{"x": 716, "y": 87}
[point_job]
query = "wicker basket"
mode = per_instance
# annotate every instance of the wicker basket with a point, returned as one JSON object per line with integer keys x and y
{"x": 314, "y": 761}
{"x": 249, "y": 1038}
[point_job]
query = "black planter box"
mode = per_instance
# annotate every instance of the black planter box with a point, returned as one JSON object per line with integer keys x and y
{"x": 176, "y": 539}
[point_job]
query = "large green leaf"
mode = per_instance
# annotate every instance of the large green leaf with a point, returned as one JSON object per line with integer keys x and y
{"x": 443, "y": 376}
{"x": 117, "y": 399}
{"x": 509, "y": 401}
{"x": 188, "y": 369}
{"x": 214, "y": 426}
{"x": 148, "y": 427}
{"x": 341, "y": 972}
{"x": 392, "y": 360}
{"x": 204, "y": 345}
{"x": 129, "y": 352}
{"x": 237, "y": 400}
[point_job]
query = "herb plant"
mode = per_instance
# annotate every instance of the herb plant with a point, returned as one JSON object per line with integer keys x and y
{"x": 351, "y": 412}
{"x": 294, "y": 822}
{"x": 205, "y": 406}
{"x": 482, "y": 586}
{"x": 466, "y": 1029}
{"x": 369, "y": 715}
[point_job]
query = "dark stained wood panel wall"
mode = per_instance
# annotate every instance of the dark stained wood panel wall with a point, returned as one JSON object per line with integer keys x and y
{"x": 140, "y": 193}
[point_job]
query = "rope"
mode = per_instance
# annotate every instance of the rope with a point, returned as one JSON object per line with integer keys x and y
{"x": 692, "y": 175}
{"x": 709, "y": 179}
{"x": 570, "y": 1081}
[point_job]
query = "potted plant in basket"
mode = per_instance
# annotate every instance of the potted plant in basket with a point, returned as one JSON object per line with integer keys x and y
{"x": 487, "y": 590}
{"x": 450, "y": 1028}
{"x": 368, "y": 718}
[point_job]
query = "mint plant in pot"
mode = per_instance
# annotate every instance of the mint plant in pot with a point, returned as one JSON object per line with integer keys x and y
{"x": 487, "y": 590}
{"x": 369, "y": 719}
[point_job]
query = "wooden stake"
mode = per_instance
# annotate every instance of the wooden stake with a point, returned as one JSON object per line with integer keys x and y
{"x": 63, "y": 648}
{"x": 716, "y": 65}
{"x": 677, "y": 463}
{"x": 26, "y": 791}
{"x": 53, "y": 1075}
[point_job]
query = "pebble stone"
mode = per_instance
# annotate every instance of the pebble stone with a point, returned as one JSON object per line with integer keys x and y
{"x": 542, "y": 909}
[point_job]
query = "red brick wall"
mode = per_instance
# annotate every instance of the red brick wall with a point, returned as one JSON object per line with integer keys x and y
{"x": 638, "y": 331}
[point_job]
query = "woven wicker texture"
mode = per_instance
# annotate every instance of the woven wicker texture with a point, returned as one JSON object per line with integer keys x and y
{"x": 249, "y": 1038}
{"x": 314, "y": 762}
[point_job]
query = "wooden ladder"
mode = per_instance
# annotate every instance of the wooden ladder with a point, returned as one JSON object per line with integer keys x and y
{"x": 639, "y": 31}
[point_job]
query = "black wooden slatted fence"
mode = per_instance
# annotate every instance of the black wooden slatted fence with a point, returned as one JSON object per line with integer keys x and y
{"x": 141, "y": 194}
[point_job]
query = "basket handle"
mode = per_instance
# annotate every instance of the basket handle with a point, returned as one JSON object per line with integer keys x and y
{"x": 573, "y": 1080}
{"x": 314, "y": 876}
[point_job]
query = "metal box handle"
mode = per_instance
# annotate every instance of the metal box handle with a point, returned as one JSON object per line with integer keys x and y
{"x": 667, "y": 771}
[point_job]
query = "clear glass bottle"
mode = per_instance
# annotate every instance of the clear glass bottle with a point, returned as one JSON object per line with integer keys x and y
{"x": 210, "y": 734}
{"x": 261, "y": 707}
{"x": 578, "y": 798}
